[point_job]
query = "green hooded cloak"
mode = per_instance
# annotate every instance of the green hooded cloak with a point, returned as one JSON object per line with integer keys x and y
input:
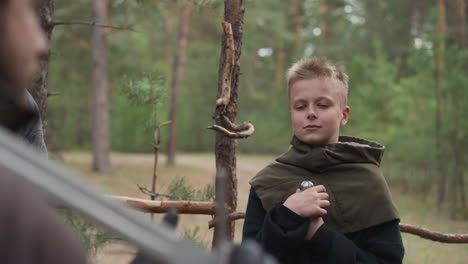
{"x": 349, "y": 170}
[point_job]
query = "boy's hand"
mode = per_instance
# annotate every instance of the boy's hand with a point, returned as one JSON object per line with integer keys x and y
{"x": 309, "y": 203}
{"x": 314, "y": 225}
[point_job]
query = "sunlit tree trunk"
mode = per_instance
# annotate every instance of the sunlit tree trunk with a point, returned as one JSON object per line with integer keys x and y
{"x": 39, "y": 90}
{"x": 100, "y": 128}
{"x": 177, "y": 76}
{"x": 438, "y": 96}
{"x": 225, "y": 148}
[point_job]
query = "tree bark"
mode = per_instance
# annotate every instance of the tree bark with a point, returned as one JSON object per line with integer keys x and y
{"x": 225, "y": 147}
{"x": 438, "y": 96}
{"x": 461, "y": 36}
{"x": 177, "y": 76}
{"x": 39, "y": 90}
{"x": 100, "y": 128}
{"x": 457, "y": 178}
{"x": 280, "y": 72}
{"x": 297, "y": 27}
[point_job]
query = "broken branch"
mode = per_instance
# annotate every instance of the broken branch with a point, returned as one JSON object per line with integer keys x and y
{"x": 183, "y": 207}
{"x": 236, "y": 128}
{"x": 94, "y": 24}
{"x": 165, "y": 123}
{"x": 151, "y": 193}
{"x": 208, "y": 208}
{"x": 230, "y": 217}
{"x": 434, "y": 236}
{"x": 228, "y": 66}
{"x": 243, "y": 134}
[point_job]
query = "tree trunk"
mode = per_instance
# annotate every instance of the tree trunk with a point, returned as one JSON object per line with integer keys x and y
{"x": 461, "y": 36}
{"x": 438, "y": 94}
{"x": 457, "y": 180}
{"x": 324, "y": 25}
{"x": 407, "y": 37}
{"x": 100, "y": 129}
{"x": 279, "y": 69}
{"x": 39, "y": 89}
{"x": 297, "y": 27}
{"x": 225, "y": 148}
{"x": 177, "y": 75}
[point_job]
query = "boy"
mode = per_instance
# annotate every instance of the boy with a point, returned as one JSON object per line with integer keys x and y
{"x": 348, "y": 216}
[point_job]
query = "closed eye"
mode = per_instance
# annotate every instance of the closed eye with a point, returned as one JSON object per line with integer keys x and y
{"x": 299, "y": 107}
{"x": 323, "y": 106}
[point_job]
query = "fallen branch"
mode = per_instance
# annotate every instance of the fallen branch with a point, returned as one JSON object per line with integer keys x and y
{"x": 183, "y": 207}
{"x": 230, "y": 217}
{"x": 434, "y": 236}
{"x": 228, "y": 66}
{"x": 93, "y": 24}
{"x": 208, "y": 208}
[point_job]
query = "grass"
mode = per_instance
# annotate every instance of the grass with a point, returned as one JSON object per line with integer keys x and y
{"x": 198, "y": 170}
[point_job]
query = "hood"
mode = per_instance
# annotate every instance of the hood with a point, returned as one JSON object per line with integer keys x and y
{"x": 319, "y": 158}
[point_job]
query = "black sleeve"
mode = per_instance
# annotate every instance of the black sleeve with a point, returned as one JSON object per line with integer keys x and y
{"x": 379, "y": 244}
{"x": 281, "y": 232}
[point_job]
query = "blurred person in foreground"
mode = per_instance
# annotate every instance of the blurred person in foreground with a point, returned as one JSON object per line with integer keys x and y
{"x": 30, "y": 231}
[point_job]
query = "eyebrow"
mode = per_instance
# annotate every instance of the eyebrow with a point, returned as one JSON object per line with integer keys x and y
{"x": 318, "y": 99}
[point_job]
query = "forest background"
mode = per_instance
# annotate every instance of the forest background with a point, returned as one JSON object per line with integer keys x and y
{"x": 407, "y": 62}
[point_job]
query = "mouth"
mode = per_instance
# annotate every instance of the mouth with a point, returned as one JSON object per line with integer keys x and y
{"x": 312, "y": 127}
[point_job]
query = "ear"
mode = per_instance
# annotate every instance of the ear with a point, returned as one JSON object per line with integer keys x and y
{"x": 346, "y": 112}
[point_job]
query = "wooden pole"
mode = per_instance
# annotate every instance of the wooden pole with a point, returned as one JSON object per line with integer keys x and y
{"x": 225, "y": 147}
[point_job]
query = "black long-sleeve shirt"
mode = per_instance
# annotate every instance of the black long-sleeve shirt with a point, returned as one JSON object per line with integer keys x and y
{"x": 281, "y": 232}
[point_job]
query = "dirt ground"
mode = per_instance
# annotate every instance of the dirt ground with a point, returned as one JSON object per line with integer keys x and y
{"x": 199, "y": 170}
{"x": 132, "y": 169}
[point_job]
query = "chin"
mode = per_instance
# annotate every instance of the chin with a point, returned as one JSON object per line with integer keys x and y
{"x": 312, "y": 140}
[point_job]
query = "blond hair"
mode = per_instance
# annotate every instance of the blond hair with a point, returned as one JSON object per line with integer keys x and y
{"x": 317, "y": 67}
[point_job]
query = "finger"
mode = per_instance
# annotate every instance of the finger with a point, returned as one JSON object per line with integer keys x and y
{"x": 322, "y": 212}
{"x": 319, "y": 188}
{"x": 324, "y": 203}
{"x": 298, "y": 190}
{"x": 323, "y": 196}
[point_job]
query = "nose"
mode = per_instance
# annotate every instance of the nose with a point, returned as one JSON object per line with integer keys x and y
{"x": 39, "y": 40}
{"x": 311, "y": 114}
{"x": 42, "y": 45}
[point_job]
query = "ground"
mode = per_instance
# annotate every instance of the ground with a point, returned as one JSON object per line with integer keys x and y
{"x": 199, "y": 169}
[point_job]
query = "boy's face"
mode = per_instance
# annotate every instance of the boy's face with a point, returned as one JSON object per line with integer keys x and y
{"x": 24, "y": 42}
{"x": 318, "y": 110}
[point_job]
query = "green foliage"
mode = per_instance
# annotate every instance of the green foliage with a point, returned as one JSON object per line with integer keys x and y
{"x": 192, "y": 235}
{"x": 179, "y": 190}
{"x": 92, "y": 236}
{"x": 145, "y": 90}
{"x": 389, "y": 49}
